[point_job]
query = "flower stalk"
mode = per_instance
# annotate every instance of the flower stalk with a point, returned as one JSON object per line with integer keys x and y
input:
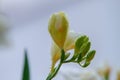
{"x": 65, "y": 40}
{"x": 52, "y": 74}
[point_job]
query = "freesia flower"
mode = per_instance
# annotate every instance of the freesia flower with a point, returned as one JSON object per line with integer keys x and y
{"x": 63, "y": 39}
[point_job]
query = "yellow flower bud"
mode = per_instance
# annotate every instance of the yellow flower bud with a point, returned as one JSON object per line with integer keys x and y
{"x": 58, "y": 28}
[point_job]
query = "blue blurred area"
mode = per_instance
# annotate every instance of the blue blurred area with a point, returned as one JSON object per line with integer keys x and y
{"x": 99, "y": 19}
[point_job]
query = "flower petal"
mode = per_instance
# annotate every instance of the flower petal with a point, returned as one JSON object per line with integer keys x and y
{"x": 58, "y": 28}
{"x": 55, "y": 53}
{"x": 70, "y": 41}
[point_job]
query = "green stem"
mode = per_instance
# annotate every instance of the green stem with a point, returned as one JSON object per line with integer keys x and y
{"x": 53, "y": 74}
{"x": 67, "y": 61}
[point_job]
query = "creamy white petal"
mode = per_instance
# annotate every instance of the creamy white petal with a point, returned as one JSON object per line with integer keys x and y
{"x": 70, "y": 41}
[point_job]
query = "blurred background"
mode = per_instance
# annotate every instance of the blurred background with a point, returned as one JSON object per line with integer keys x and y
{"x": 28, "y": 28}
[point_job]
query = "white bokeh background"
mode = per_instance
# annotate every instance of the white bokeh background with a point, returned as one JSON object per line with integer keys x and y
{"x": 99, "y": 19}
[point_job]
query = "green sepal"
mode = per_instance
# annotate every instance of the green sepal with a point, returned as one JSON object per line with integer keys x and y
{"x": 86, "y": 64}
{"x": 90, "y": 55}
{"x": 79, "y": 58}
{"x": 84, "y": 49}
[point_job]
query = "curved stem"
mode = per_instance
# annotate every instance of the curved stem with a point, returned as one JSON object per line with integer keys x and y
{"x": 53, "y": 74}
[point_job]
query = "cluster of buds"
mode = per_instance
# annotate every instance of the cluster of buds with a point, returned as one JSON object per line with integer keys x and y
{"x": 65, "y": 40}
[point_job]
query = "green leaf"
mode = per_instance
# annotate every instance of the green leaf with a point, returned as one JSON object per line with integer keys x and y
{"x": 26, "y": 72}
{"x": 90, "y": 55}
